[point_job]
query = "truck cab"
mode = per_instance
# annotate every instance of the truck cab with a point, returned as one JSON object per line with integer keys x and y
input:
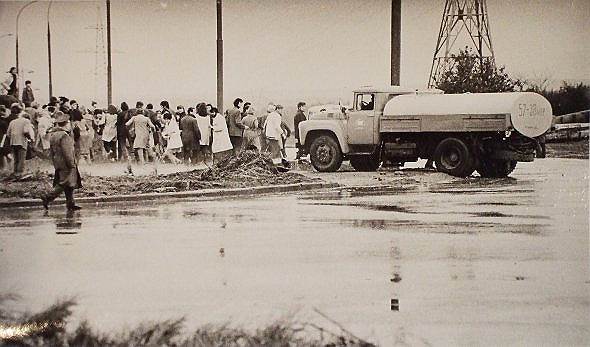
{"x": 363, "y": 118}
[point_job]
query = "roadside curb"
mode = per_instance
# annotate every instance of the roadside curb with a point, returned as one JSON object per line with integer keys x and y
{"x": 283, "y": 188}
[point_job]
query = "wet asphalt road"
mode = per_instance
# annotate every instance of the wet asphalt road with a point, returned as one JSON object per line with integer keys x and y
{"x": 470, "y": 262}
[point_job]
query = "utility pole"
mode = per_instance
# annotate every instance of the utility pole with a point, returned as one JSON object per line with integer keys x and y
{"x": 17, "y": 19}
{"x": 396, "y": 19}
{"x": 49, "y": 51}
{"x": 219, "y": 57}
{"x": 109, "y": 66}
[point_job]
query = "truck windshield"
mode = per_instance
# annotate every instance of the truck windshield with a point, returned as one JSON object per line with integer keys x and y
{"x": 365, "y": 101}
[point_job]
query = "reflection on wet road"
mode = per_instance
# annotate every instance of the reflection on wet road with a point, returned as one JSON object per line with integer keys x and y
{"x": 456, "y": 262}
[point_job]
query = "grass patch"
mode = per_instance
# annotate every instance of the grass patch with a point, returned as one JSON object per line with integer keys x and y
{"x": 50, "y": 327}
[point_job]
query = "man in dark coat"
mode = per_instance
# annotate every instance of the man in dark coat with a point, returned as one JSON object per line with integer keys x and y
{"x": 299, "y": 117}
{"x": 122, "y": 133}
{"x": 191, "y": 137}
{"x": 235, "y": 127}
{"x": 67, "y": 177}
{"x": 28, "y": 96}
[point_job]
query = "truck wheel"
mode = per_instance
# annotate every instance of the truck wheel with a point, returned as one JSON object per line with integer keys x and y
{"x": 452, "y": 156}
{"x": 496, "y": 168}
{"x": 365, "y": 163}
{"x": 325, "y": 154}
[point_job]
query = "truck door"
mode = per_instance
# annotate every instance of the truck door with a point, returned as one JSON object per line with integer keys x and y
{"x": 361, "y": 120}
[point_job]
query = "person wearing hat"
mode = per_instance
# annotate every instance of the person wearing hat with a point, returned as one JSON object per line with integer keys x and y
{"x": 61, "y": 150}
{"x": 20, "y": 132}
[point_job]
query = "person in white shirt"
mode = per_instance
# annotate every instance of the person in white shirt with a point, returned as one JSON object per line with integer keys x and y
{"x": 221, "y": 142}
{"x": 171, "y": 133}
{"x": 273, "y": 133}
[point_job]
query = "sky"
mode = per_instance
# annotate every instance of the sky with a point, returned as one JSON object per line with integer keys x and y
{"x": 279, "y": 50}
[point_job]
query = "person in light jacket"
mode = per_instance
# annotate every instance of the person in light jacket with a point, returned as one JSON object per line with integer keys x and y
{"x": 221, "y": 142}
{"x": 142, "y": 126}
{"x": 9, "y": 86}
{"x": 204, "y": 121}
{"x": 20, "y": 132}
{"x": 44, "y": 123}
{"x": 273, "y": 132}
{"x": 109, "y": 132}
{"x": 171, "y": 134}
{"x": 251, "y": 139}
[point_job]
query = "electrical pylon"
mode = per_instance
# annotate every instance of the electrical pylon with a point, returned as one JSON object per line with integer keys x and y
{"x": 100, "y": 64}
{"x": 464, "y": 23}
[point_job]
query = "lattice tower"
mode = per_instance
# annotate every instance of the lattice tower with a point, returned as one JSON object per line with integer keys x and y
{"x": 464, "y": 23}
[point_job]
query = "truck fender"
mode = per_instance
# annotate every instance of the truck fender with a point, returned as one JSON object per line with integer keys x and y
{"x": 310, "y": 127}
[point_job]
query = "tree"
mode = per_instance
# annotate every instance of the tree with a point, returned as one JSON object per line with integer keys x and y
{"x": 568, "y": 99}
{"x": 466, "y": 72}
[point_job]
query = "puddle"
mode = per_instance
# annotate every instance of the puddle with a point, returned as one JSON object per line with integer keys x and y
{"x": 435, "y": 227}
{"x": 351, "y": 192}
{"x": 137, "y": 213}
{"x": 16, "y": 224}
{"x": 373, "y": 207}
{"x": 68, "y": 225}
{"x": 490, "y": 214}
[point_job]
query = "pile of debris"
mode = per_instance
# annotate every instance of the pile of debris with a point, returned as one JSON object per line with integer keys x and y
{"x": 246, "y": 165}
{"x": 247, "y": 169}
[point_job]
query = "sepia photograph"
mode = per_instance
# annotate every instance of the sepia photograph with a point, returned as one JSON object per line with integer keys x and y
{"x": 248, "y": 173}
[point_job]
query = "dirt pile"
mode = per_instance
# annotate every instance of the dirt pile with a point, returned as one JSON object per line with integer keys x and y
{"x": 247, "y": 164}
{"x": 248, "y": 169}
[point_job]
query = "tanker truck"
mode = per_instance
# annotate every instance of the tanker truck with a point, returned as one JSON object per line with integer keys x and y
{"x": 460, "y": 133}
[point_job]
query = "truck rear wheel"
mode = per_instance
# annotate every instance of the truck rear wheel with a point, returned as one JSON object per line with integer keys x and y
{"x": 325, "y": 154}
{"x": 365, "y": 163}
{"x": 452, "y": 156}
{"x": 496, "y": 167}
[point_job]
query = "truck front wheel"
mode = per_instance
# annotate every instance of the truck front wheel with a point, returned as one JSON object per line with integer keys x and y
{"x": 452, "y": 156}
{"x": 325, "y": 154}
{"x": 496, "y": 168}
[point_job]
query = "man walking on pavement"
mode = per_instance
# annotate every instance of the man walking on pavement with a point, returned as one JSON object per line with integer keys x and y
{"x": 28, "y": 96}
{"x": 299, "y": 117}
{"x": 67, "y": 177}
{"x": 235, "y": 126}
{"x": 20, "y": 132}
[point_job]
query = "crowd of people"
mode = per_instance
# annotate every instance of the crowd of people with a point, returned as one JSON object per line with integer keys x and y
{"x": 141, "y": 134}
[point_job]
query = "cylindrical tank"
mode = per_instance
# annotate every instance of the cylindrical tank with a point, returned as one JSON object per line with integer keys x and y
{"x": 529, "y": 113}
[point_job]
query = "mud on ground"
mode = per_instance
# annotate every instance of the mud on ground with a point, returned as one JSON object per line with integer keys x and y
{"x": 249, "y": 169}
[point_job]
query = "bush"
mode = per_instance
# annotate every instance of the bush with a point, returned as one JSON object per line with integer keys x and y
{"x": 466, "y": 72}
{"x": 568, "y": 98}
